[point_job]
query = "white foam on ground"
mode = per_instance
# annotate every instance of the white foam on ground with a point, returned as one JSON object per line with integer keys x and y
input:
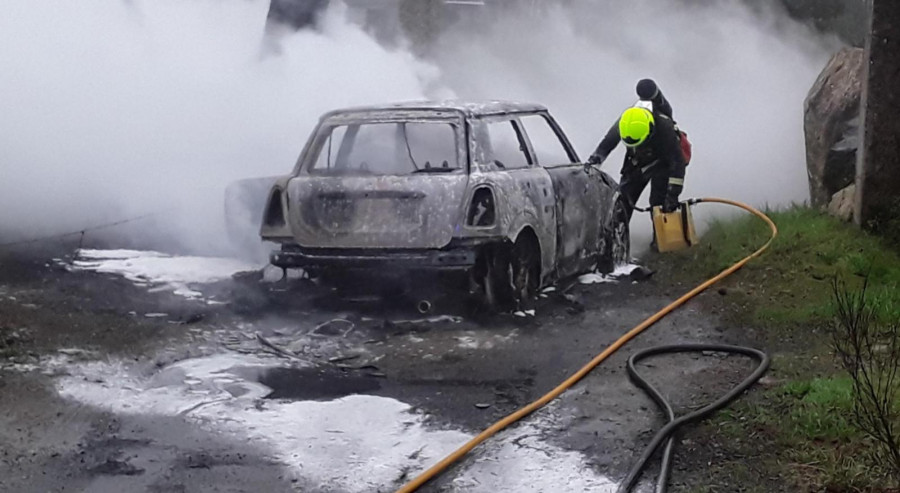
{"x": 468, "y": 342}
{"x": 179, "y": 274}
{"x": 358, "y": 443}
{"x": 19, "y": 367}
{"x": 614, "y": 276}
{"x": 476, "y": 340}
{"x": 87, "y": 253}
{"x": 498, "y": 466}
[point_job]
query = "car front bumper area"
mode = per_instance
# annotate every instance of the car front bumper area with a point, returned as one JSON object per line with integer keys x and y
{"x": 453, "y": 257}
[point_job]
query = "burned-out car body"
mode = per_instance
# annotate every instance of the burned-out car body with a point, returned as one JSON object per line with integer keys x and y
{"x": 491, "y": 189}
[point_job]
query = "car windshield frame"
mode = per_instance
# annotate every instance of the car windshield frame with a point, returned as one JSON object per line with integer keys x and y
{"x": 327, "y": 125}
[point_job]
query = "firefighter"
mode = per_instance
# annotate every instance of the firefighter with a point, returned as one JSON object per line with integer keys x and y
{"x": 654, "y": 153}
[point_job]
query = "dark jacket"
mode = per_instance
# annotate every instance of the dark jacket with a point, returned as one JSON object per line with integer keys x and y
{"x": 662, "y": 146}
{"x": 661, "y": 105}
{"x": 660, "y": 153}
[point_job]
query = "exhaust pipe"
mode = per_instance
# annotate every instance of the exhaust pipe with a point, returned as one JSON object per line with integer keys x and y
{"x": 424, "y": 306}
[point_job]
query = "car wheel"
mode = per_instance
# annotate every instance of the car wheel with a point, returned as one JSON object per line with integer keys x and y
{"x": 526, "y": 270}
{"x": 616, "y": 241}
{"x": 512, "y": 276}
{"x": 495, "y": 280}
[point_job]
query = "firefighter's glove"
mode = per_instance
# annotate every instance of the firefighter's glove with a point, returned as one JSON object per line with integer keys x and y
{"x": 595, "y": 160}
{"x": 670, "y": 205}
{"x": 671, "y": 202}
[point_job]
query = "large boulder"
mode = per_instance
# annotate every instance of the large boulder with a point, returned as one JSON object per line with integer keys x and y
{"x": 843, "y": 203}
{"x": 831, "y": 125}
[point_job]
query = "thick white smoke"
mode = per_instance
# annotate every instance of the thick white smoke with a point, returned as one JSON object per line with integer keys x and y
{"x": 112, "y": 109}
{"x": 736, "y": 80}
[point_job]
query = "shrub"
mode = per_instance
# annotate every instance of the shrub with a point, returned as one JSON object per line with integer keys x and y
{"x": 869, "y": 351}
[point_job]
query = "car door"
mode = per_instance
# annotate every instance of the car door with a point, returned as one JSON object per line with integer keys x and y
{"x": 578, "y": 195}
{"x": 524, "y": 189}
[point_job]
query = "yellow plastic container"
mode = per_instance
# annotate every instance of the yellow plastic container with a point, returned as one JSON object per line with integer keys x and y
{"x": 674, "y": 230}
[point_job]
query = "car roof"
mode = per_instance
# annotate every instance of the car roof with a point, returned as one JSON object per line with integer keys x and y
{"x": 469, "y": 108}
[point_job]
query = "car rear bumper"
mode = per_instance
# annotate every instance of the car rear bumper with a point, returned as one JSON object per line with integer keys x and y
{"x": 454, "y": 257}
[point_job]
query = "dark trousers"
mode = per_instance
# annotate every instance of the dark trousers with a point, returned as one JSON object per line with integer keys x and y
{"x": 634, "y": 181}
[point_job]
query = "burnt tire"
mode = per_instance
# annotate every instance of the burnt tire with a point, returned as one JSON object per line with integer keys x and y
{"x": 512, "y": 274}
{"x": 616, "y": 241}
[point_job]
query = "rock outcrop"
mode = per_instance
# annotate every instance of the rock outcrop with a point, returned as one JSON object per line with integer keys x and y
{"x": 878, "y": 174}
{"x": 842, "y": 204}
{"x": 831, "y": 126}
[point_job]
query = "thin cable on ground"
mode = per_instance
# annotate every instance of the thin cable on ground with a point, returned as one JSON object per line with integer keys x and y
{"x": 667, "y": 432}
{"x": 447, "y": 461}
{"x": 81, "y": 231}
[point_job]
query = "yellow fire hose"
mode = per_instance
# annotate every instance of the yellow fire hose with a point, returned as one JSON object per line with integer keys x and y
{"x": 572, "y": 380}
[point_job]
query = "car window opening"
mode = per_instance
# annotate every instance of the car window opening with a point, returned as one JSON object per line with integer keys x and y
{"x": 388, "y": 148}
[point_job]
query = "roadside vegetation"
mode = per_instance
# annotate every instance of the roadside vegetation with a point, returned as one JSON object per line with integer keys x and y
{"x": 824, "y": 302}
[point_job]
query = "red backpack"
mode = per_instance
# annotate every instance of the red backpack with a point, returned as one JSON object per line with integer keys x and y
{"x": 685, "y": 146}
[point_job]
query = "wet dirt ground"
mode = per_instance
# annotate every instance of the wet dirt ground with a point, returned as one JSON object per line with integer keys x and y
{"x": 257, "y": 385}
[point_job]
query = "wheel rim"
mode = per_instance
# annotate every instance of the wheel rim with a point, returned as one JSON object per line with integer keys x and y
{"x": 490, "y": 289}
{"x": 511, "y": 277}
{"x": 619, "y": 249}
{"x": 497, "y": 281}
{"x": 524, "y": 277}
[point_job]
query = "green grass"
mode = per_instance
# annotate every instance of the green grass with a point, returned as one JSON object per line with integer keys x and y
{"x": 820, "y": 409}
{"x": 791, "y": 282}
{"x": 806, "y": 430}
{"x": 802, "y": 411}
{"x": 800, "y": 431}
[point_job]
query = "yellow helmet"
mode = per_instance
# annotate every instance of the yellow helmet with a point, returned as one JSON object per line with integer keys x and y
{"x": 635, "y": 125}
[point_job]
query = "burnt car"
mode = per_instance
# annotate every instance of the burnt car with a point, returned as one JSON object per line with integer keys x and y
{"x": 490, "y": 190}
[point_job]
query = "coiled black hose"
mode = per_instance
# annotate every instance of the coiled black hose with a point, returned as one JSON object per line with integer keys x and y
{"x": 666, "y": 433}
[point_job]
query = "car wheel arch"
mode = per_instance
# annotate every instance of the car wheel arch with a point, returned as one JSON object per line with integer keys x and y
{"x": 529, "y": 233}
{"x": 275, "y": 220}
{"x": 608, "y": 259}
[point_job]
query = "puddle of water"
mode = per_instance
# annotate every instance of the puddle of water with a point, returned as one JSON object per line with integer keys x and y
{"x": 316, "y": 383}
